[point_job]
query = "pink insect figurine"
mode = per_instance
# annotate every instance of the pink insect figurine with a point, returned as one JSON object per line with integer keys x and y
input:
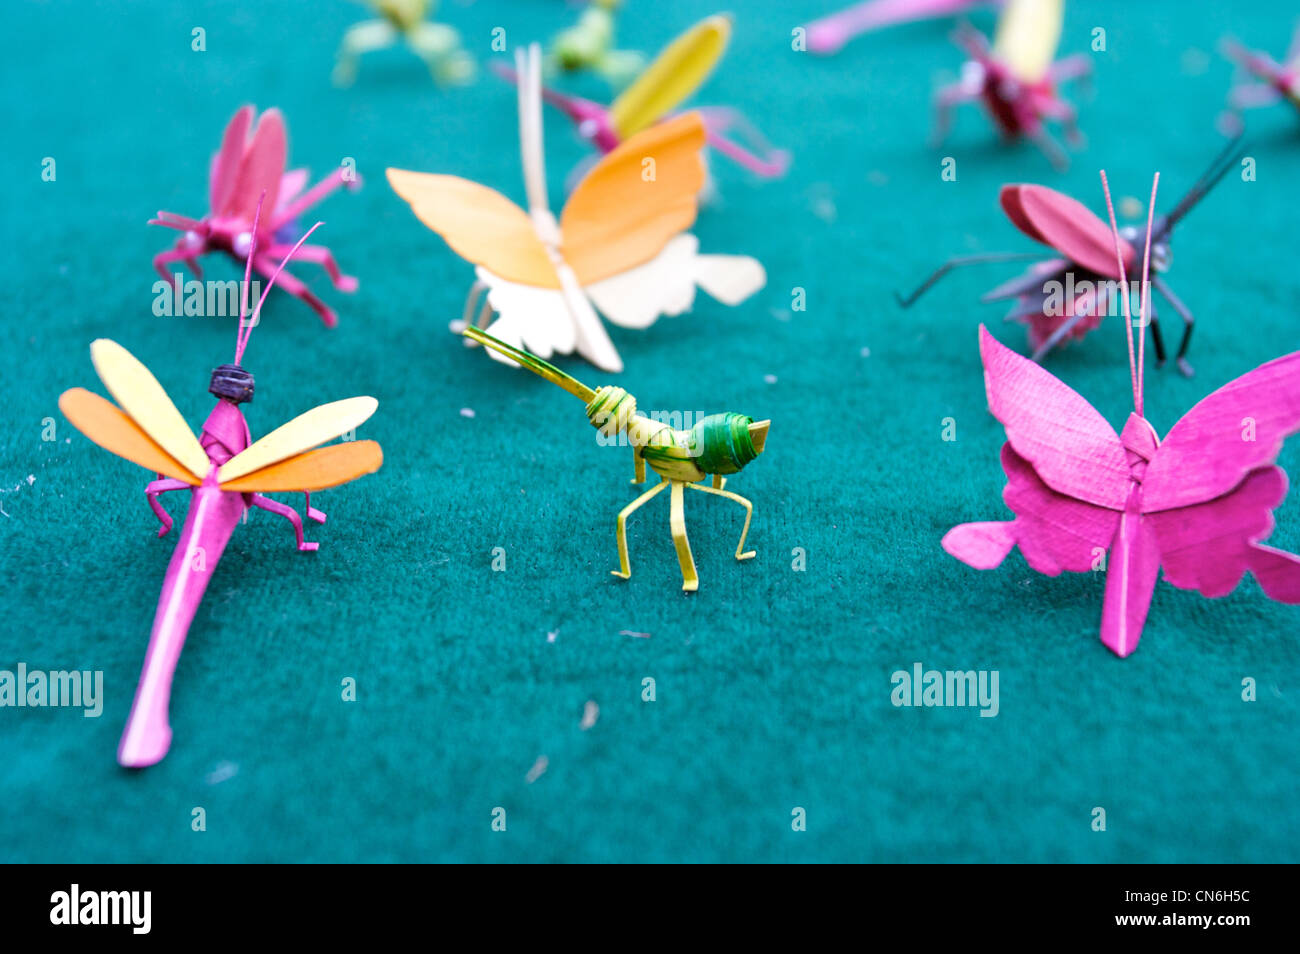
{"x": 1064, "y": 297}
{"x": 676, "y": 73}
{"x": 226, "y": 472}
{"x": 1197, "y": 503}
{"x": 1270, "y": 81}
{"x": 246, "y": 167}
{"x": 830, "y": 33}
{"x": 1016, "y": 77}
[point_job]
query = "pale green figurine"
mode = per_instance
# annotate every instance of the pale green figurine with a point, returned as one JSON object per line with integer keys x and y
{"x": 587, "y": 46}
{"x": 405, "y": 21}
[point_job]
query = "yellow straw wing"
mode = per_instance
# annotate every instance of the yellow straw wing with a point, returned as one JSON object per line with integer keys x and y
{"x": 304, "y": 432}
{"x": 314, "y": 470}
{"x": 677, "y": 72}
{"x": 139, "y": 394}
{"x": 1028, "y": 34}
{"x": 639, "y": 196}
{"x": 106, "y": 424}
{"x": 480, "y": 224}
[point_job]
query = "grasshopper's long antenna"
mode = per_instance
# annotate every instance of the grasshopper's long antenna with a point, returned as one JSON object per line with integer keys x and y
{"x": 532, "y": 363}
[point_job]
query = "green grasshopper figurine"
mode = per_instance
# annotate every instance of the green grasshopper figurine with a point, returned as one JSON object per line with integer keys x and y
{"x": 718, "y": 444}
{"x": 589, "y": 45}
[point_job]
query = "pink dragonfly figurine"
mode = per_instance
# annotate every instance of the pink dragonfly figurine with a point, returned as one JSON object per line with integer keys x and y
{"x": 226, "y": 473}
{"x": 676, "y": 73}
{"x": 1016, "y": 77}
{"x": 245, "y": 168}
{"x": 1197, "y": 503}
{"x": 1269, "y": 81}
{"x": 1064, "y": 297}
{"x": 830, "y": 33}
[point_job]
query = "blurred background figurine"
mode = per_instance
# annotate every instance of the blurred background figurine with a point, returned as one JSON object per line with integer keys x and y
{"x": 1266, "y": 81}
{"x": 405, "y": 21}
{"x": 830, "y": 33}
{"x": 588, "y": 45}
{"x": 1018, "y": 77}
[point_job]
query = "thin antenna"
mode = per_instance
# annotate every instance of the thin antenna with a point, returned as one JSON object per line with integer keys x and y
{"x": 1123, "y": 283}
{"x": 533, "y": 363}
{"x": 246, "y": 326}
{"x": 1146, "y": 294}
{"x": 1224, "y": 161}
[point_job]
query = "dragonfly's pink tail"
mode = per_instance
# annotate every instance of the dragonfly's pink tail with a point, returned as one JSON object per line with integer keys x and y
{"x": 212, "y": 518}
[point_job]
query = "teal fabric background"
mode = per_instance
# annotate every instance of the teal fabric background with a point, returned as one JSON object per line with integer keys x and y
{"x": 773, "y": 685}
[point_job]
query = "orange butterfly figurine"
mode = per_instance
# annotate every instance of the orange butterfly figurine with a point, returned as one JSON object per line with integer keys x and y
{"x": 621, "y": 244}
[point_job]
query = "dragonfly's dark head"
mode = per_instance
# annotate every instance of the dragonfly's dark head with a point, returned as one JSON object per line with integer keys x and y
{"x": 232, "y": 383}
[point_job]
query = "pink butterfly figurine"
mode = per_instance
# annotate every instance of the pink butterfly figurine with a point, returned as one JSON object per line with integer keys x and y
{"x": 243, "y": 170}
{"x": 1197, "y": 503}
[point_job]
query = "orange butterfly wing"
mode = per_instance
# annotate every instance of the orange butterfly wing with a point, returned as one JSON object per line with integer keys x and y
{"x": 314, "y": 470}
{"x": 617, "y": 219}
{"x": 480, "y": 224}
{"x": 112, "y": 429}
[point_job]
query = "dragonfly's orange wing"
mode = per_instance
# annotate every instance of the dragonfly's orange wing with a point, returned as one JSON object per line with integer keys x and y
{"x": 112, "y": 429}
{"x": 639, "y": 196}
{"x": 480, "y": 224}
{"x": 314, "y": 470}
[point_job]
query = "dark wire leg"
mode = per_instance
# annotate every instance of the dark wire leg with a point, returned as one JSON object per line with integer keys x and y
{"x": 958, "y": 262}
{"x": 1185, "y": 313}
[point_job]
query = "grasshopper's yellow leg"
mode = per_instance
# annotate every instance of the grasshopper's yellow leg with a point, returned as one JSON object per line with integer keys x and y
{"x": 677, "y": 521}
{"x": 749, "y": 513}
{"x": 719, "y": 481}
{"x": 360, "y": 39}
{"x": 638, "y": 465}
{"x": 626, "y": 568}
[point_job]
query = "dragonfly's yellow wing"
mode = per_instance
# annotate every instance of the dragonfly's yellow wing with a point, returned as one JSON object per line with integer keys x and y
{"x": 105, "y": 423}
{"x": 304, "y": 432}
{"x": 675, "y": 74}
{"x": 314, "y": 470}
{"x": 1028, "y": 34}
{"x": 139, "y": 394}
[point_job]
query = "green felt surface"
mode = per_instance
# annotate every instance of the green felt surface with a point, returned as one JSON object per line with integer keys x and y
{"x": 773, "y": 686}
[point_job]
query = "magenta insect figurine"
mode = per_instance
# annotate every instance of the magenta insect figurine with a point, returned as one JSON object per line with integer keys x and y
{"x": 1017, "y": 78}
{"x": 243, "y": 170}
{"x": 1066, "y": 296}
{"x": 676, "y": 73}
{"x": 830, "y": 33}
{"x": 1269, "y": 82}
{"x": 1197, "y": 503}
{"x": 225, "y": 471}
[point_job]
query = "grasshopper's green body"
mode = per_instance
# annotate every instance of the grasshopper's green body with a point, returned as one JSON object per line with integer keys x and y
{"x": 718, "y": 444}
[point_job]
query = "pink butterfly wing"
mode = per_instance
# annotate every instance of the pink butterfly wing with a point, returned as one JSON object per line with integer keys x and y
{"x": 1053, "y": 531}
{"x": 1065, "y": 224}
{"x": 225, "y": 164}
{"x": 1209, "y": 547}
{"x": 261, "y": 168}
{"x": 1069, "y": 445}
{"x": 1228, "y": 434}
